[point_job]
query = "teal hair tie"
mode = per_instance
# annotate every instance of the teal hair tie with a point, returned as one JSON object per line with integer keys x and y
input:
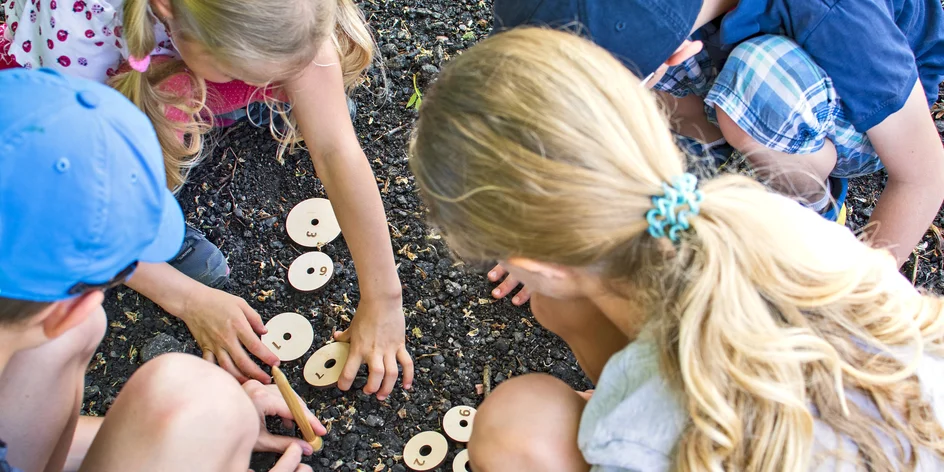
{"x": 672, "y": 210}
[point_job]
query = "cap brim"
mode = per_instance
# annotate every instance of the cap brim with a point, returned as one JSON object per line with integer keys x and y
{"x": 170, "y": 234}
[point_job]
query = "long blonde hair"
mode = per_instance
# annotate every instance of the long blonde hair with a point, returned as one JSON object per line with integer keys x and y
{"x": 262, "y": 41}
{"x": 539, "y": 144}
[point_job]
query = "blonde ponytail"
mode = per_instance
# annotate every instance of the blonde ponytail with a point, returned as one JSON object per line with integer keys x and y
{"x": 539, "y": 144}
{"x": 355, "y": 43}
{"x": 181, "y": 141}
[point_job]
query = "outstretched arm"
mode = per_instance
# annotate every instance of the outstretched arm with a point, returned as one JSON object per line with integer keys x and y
{"x": 910, "y": 147}
{"x": 377, "y": 333}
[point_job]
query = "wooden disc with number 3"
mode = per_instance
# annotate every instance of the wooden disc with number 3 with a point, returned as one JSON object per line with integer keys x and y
{"x": 457, "y": 423}
{"x": 310, "y": 271}
{"x": 324, "y": 367}
{"x": 425, "y": 451}
{"x": 312, "y": 223}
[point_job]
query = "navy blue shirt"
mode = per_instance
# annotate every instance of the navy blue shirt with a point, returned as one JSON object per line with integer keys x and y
{"x": 873, "y": 50}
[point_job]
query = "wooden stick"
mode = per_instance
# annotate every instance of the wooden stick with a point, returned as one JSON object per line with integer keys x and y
{"x": 298, "y": 411}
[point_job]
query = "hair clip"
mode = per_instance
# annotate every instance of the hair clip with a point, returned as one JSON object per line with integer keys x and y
{"x": 140, "y": 65}
{"x": 679, "y": 202}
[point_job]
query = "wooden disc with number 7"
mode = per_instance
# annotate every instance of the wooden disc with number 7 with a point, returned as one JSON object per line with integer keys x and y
{"x": 457, "y": 423}
{"x": 324, "y": 367}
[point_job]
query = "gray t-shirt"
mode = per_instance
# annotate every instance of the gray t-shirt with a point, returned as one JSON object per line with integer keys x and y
{"x": 634, "y": 419}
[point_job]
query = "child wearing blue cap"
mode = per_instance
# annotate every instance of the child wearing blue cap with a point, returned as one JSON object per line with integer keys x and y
{"x": 811, "y": 92}
{"x": 724, "y": 326}
{"x": 192, "y": 64}
{"x": 80, "y": 209}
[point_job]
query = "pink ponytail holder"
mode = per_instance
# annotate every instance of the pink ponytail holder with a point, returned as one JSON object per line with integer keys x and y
{"x": 140, "y": 65}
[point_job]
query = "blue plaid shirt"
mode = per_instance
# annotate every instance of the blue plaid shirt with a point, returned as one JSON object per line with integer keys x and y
{"x": 873, "y": 50}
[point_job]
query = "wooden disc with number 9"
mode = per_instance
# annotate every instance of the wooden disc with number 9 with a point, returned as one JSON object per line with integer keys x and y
{"x": 457, "y": 423}
{"x": 425, "y": 451}
{"x": 324, "y": 367}
{"x": 310, "y": 271}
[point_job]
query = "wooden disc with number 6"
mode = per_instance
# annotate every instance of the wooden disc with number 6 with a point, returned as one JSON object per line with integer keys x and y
{"x": 324, "y": 367}
{"x": 425, "y": 451}
{"x": 461, "y": 462}
{"x": 310, "y": 271}
{"x": 457, "y": 423}
{"x": 312, "y": 223}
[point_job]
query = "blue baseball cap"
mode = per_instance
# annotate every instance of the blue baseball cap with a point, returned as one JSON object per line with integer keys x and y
{"x": 83, "y": 193}
{"x": 641, "y": 34}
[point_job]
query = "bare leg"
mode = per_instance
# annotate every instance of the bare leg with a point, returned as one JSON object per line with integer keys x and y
{"x": 592, "y": 337}
{"x": 528, "y": 423}
{"x": 176, "y": 412}
{"x": 687, "y": 117}
{"x": 799, "y": 176}
{"x": 41, "y": 394}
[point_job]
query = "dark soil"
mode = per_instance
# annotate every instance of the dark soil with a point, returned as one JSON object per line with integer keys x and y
{"x": 240, "y": 196}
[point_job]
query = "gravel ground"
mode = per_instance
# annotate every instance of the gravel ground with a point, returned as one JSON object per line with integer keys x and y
{"x": 240, "y": 196}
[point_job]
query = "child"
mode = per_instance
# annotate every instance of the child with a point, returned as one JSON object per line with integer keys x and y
{"x": 811, "y": 92}
{"x": 177, "y": 58}
{"x": 725, "y": 327}
{"x": 80, "y": 209}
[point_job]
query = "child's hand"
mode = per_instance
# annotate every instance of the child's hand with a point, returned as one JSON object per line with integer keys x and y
{"x": 269, "y": 402}
{"x": 378, "y": 338}
{"x": 508, "y": 285}
{"x": 291, "y": 461}
{"x": 222, "y": 324}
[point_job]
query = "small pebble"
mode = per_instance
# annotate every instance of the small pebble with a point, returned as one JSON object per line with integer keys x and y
{"x": 374, "y": 421}
{"x": 160, "y": 344}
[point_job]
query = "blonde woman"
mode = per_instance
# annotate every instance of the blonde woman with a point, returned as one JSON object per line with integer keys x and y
{"x": 183, "y": 61}
{"x": 725, "y": 327}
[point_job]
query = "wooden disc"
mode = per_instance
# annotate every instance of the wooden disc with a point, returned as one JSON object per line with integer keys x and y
{"x": 290, "y": 336}
{"x": 324, "y": 366}
{"x": 310, "y": 271}
{"x": 425, "y": 451}
{"x": 457, "y": 423}
{"x": 461, "y": 462}
{"x": 312, "y": 223}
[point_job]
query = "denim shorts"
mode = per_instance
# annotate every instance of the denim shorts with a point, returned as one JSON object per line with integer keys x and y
{"x": 774, "y": 92}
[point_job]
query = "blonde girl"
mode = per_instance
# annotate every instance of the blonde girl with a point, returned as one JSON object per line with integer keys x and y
{"x": 184, "y": 61}
{"x": 725, "y": 327}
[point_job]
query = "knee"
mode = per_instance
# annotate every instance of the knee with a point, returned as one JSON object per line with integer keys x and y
{"x": 183, "y": 394}
{"x": 527, "y": 423}
{"x": 554, "y": 319}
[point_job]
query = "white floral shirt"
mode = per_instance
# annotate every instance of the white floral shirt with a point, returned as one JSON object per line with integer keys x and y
{"x": 77, "y": 37}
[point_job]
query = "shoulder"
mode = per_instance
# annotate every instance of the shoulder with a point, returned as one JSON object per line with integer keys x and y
{"x": 632, "y": 391}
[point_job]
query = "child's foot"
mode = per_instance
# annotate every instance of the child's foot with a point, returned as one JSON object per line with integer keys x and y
{"x": 201, "y": 260}
{"x": 839, "y": 188}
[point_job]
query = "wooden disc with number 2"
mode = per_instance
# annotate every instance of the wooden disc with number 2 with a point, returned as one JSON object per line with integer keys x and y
{"x": 425, "y": 451}
{"x": 310, "y": 271}
{"x": 324, "y": 367}
{"x": 457, "y": 423}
